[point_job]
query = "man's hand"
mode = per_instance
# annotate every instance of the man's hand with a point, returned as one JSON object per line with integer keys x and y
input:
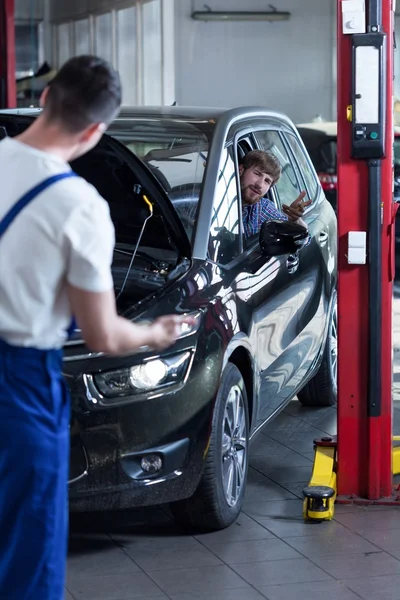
{"x": 295, "y": 211}
{"x": 104, "y": 331}
{"x": 165, "y": 330}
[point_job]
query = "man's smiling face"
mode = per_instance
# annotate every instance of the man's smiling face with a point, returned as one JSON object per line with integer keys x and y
{"x": 254, "y": 184}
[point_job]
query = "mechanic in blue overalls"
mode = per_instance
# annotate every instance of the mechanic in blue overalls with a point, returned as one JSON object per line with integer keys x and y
{"x": 56, "y": 247}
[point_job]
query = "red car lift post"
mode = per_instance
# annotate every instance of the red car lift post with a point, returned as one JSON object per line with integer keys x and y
{"x": 8, "y": 93}
{"x": 357, "y": 467}
{"x": 365, "y": 291}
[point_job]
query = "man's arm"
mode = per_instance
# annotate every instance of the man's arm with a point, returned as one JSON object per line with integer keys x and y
{"x": 269, "y": 211}
{"x": 104, "y": 331}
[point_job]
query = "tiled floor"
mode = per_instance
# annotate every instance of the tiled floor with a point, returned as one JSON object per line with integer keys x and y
{"x": 269, "y": 553}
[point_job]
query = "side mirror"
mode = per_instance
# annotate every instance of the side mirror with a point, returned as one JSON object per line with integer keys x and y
{"x": 282, "y": 237}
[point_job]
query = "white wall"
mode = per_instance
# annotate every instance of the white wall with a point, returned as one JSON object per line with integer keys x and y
{"x": 136, "y": 36}
{"x": 286, "y": 66}
{"x": 26, "y": 10}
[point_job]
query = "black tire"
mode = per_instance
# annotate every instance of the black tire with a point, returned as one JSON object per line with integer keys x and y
{"x": 321, "y": 390}
{"x": 208, "y": 509}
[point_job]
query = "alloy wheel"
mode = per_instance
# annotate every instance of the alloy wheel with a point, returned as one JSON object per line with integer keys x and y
{"x": 234, "y": 446}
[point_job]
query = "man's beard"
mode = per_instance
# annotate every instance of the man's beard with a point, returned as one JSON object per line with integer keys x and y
{"x": 250, "y": 197}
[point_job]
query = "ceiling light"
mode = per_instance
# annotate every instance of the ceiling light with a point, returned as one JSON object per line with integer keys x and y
{"x": 214, "y": 15}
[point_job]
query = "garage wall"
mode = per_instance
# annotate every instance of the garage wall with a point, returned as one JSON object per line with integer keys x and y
{"x": 286, "y": 66}
{"x": 26, "y": 10}
{"x": 136, "y": 36}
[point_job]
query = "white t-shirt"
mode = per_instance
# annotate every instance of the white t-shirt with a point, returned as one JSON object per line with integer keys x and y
{"x": 64, "y": 235}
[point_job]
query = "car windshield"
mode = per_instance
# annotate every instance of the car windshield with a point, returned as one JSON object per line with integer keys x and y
{"x": 175, "y": 151}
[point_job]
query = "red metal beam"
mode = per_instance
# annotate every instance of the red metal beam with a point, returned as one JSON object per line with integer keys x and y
{"x": 388, "y": 208}
{"x": 8, "y": 94}
{"x": 364, "y": 444}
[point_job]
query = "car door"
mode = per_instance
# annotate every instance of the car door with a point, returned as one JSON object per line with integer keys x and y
{"x": 273, "y": 285}
{"x": 316, "y": 272}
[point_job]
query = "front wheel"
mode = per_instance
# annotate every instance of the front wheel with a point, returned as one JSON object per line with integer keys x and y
{"x": 218, "y": 499}
{"x": 322, "y": 389}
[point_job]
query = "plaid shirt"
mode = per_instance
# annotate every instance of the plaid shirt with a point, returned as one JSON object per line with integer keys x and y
{"x": 255, "y": 215}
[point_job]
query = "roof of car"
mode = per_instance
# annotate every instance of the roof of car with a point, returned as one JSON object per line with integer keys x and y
{"x": 176, "y": 112}
{"x": 186, "y": 113}
{"x": 329, "y": 127}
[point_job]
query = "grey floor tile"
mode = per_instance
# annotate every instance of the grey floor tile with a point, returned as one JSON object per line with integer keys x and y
{"x": 101, "y": 562}
{"x": 205, "y": 580}
{"x": 358, "y": 565}
{"x": 260, "y": 487}
{"x": 280, "y": 572}
{"x": 286, "y": 424}
{"x": 388, "y": 540}
{"x": 68, "y": 596}
{"x": 323, "y": 418}
{"x": 154, "y": 542}
{"x": 300, "y": 441}
{"x": 283, "y": 508}
{"x": 263, "y": 445}
{"x": 247, "y": 593}
{"x": 244, "y": 529}
{"x": 310, "y": 454}
{"x": 346, "y": 543}
{"x": 376, "y": 588}
{"x": 126, "y": 586}
{"x": 269, "y": 463}
{"x": 342, "y": 509}
{"x": 370, "y": 521}
{"x": 285, "y": 527}
{"x": 313, "y": 590}
{"x": 296, "y": 409}
{"x": 257, "y": 551}
{"x": 177, "y": 557}
{"x": 296, "y": 488}
{"x": 289, "y": 474}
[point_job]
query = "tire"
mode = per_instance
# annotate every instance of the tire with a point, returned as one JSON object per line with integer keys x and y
{"x": 321, "y": 390}
{"x": 216, "y": 504}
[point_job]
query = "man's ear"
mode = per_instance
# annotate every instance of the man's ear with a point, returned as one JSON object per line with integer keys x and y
{"x": 92, "y": 130}
{"x": 43, "y": 97}
{"x": 241, "y": 169}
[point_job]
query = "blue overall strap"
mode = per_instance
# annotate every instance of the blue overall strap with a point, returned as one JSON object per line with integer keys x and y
{"x": 24, "y": 201}
{"x": 29, "y": 196}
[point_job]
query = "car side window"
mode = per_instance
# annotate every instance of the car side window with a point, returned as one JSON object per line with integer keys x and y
{"x": 224, "y": 241}
{"x": 288, "y": 187}
{"x": 305, "y": 167}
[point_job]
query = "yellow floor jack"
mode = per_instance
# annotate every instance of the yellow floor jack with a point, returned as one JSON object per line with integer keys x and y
{"x": 321, "y": 492}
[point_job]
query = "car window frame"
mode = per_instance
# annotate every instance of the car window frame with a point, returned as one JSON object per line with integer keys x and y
{"x": 248, "y": 135}
{"x": 300, "y": 142}
{"x": 294, "y": 164}
{"x": 228, "y": 146}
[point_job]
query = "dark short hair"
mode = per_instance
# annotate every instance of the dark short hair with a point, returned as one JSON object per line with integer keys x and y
{"x": 86, "y": 90}
{"x": 266, "y": 161}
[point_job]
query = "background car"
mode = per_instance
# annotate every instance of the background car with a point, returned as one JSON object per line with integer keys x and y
{"x": 320, "y": 139}
{"x": 175, "y": 427}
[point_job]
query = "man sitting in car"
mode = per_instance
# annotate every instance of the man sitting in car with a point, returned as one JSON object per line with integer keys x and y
{"x": 259, "y": 171}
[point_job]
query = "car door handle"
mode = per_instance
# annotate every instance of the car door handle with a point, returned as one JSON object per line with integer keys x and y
{"x": 323, "y": 237}
{"x": 292, "y": 263}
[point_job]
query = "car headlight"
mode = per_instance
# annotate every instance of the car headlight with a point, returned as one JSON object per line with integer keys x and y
{"x": 153, "y": 374}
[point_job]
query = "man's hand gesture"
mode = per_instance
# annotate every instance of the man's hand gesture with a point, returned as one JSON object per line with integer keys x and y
{"x": 295, "y": 211}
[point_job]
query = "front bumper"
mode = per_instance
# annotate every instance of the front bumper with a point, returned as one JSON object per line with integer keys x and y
{"x": 119, "y": 482}
{"x": 108, "y": 444}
